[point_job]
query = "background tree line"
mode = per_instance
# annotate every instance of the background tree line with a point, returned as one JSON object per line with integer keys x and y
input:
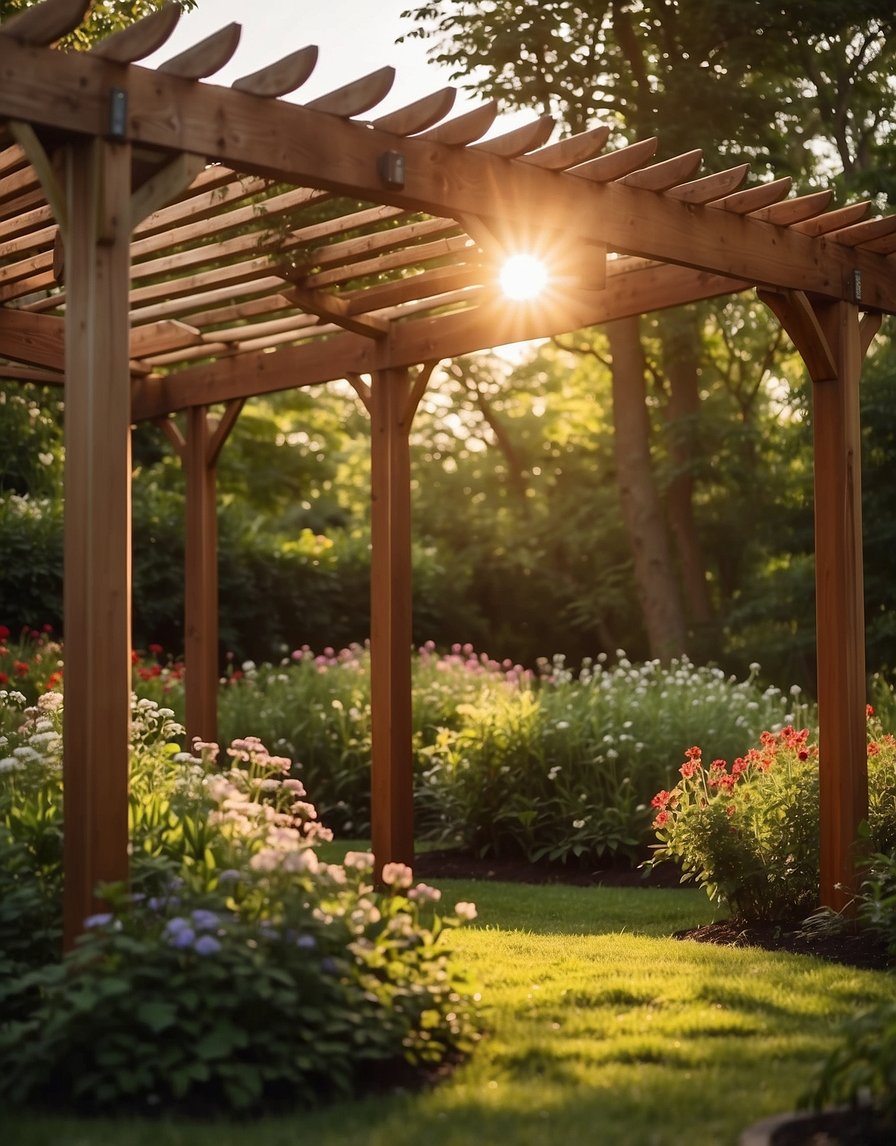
{"x": 644, "y": 486}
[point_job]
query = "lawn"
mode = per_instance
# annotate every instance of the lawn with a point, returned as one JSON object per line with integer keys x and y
{"x": 601, "y": 1029}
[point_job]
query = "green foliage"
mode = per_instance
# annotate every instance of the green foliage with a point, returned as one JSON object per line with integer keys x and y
{"x": 559, "y": 765}
{"x": 749, "y": 835}
{"x": 104, "y": 17}
{"x": 240, "y": 971}
{"x": 862, "y": 1067}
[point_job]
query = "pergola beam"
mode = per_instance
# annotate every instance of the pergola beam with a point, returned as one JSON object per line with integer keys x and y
{"x": 298, "y": 145}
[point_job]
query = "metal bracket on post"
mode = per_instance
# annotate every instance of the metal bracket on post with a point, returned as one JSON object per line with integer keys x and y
{"x": 118, "y": 114}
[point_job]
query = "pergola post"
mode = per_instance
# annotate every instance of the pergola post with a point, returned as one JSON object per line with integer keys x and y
{"x": 200, "y": 580}
{"x": 198, "y": 449}
{"x": 97, "y": 593}
{"x": 832, "y": 339}
{"x": 391, "y": 400}
{"x": 392, "y": 806}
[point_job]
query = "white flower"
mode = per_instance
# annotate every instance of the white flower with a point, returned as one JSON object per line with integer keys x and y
{"x": 578, "y": 824}
{"x": 464, "y": 910}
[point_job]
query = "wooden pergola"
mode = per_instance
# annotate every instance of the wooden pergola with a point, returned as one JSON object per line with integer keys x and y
{"x": 175, "y": 247}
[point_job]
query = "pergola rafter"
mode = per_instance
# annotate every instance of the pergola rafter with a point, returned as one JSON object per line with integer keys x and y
{"x": 242, "y": 244}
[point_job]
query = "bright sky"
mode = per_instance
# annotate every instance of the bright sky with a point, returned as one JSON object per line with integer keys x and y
{"x": 355, "y": 37}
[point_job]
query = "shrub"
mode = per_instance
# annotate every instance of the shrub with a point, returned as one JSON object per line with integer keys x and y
{"x": 750, "y": 835}
{"x": 239, "y": 969}
{"x": 563, "y": 767}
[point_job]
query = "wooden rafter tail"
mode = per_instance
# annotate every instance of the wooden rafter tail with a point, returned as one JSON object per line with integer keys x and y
{"x": 790, "y": 211}
{"x": 668, "y": 173}
{"x": 612, "y": 166}
{"x": 521, "y": 140}
{"x": 419, "y": 115}
{"x": 12, "y": 158}
{"x": 763, "y": 195}
{"x": 834, "y": 220}
{"x": 281, "y": 77}
{"x": 357, "y": 97}
{"x": 206, "y": 57}
{"x": 463, "y": 129}
{"x": 45, "y": 23}
{"x": 140, "y": 39}
{"x": 570, "y": 152}
{"x": 710, "y": 187}
{"x": 861, "y": 233}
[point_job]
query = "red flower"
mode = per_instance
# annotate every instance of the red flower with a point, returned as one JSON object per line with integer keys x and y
{"x": 135, "y": 656}
{"x": 155, "y": 649}
{"x": 21, "y": 668}
{"x": 661, "y": 799}
{"x": 4, "y": 679}
{"x": 4, "y": 632}
{"x": 687, "y": 770}
{"x": 869, "y": 710}
{"x": 661, "y": 820}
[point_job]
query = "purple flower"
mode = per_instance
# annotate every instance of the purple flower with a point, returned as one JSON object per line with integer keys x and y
{"x": 306, "y": 942}
{"x": 178, "y": 932}
{"x": 100, "y": 920}
{"x": 206, "y": 945}
{"x": 205, "y": 920}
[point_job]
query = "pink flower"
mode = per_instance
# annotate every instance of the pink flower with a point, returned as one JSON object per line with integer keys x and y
{"x": 397, "y": 875}
{"x": 464, "y": 910}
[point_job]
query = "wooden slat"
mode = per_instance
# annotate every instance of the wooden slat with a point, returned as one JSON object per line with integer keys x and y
{"x": 357, "y": 97}
{"x": 662, "y": 176}
{"x": 157, "y": 337}
{"x": 425, "y": 285}
{"x": 282, "y": 77}
{"x": 395, "y": 260}
{"x": 611, "y": 167}
{"x": 791, "y": 211}
{"x": 151, "y": 309}
{"x": 521, "y": 140}
{"x": 45, "y": 23}
{"x": 745, "y": 202}
{"x": 463, "y": 129}
{"x": 419, "y": 115}
{"x": 206, "y": 57}
{"x": 860, "y": 233}
{"x": 141, "y": 39}
{"x": 710, "y": 187}
{"x": 292, "y": 322}
{"x": 833, "y": 220}
{"x": 570, "y": 152}
{"x": 379, "y": 242}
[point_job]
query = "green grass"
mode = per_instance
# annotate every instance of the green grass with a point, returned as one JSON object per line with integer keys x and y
{"x": 601, "y": 1029}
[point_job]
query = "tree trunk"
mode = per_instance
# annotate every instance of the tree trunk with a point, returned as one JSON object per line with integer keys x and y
{"x": 681, "y": 361}
{"x": 645, "y": 523}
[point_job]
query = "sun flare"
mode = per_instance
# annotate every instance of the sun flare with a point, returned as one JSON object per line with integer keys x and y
{"x": 523, "y": 277}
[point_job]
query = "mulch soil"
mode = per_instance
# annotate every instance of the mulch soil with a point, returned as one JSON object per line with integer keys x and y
{"x": 854, "y": 948}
